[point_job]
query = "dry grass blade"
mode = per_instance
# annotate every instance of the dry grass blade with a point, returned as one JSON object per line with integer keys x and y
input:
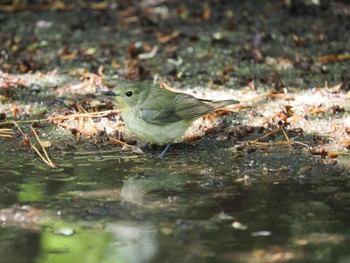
{"x": 265, "y": 136}
{"x": 257, "y": 98}
{"x": 45, "y": 158}
{"x": 79, "y": 128}
{"x": 96, "y": 114}
{"x": 65, "y": 117}
{"x": 285, "y": 134}
{"x": 163, "y": 85}
{"x": 21, "y": 122}
{"x": 274, "y": 143}
{"x": 332, "y": 58}
{"x": 92, "y": 152}
{"x": 89, "y": 119}
{"x": 6, "y": 133}
{"x": 59, "y": 120}
{"x": 341, "y": 153}
{"x": 128, "y": 146}
{"x": 287, "y": 142}
{"x": 20, "y": 130}
{"x": 59, "y": 5}
{"x": 303, "y": 144}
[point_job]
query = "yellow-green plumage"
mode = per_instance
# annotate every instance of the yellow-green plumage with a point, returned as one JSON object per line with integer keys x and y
{"x": 158, "y": 115}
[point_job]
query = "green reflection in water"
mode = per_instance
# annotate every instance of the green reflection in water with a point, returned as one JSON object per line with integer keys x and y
{"x": 65, "y": 242}
{"x": 120, "y": 242}
{"x": 32, "y": 192}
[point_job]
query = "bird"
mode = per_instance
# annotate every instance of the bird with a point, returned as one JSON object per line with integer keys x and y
{"x": 157, "y": 115}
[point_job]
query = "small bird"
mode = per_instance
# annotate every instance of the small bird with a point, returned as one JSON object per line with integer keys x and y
{"x": 159, "y": 116}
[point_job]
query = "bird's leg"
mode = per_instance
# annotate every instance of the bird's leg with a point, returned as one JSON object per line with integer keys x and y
{"x": 162, "y": 155}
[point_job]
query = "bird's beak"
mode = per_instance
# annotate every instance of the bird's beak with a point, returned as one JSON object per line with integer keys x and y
{"x": 110, "y": 93}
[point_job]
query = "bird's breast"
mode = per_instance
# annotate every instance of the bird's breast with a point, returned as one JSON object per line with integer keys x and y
{"x": 159, "y": 134}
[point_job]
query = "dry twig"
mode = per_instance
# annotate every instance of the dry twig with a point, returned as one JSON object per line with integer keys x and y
{"x": 98, "y": 114}
{"x": 46, "y": 159}
{"x": 287, "y": 142}
{"x": 128, "y": 146}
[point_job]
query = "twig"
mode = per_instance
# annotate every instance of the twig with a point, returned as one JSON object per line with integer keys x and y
{"x": 332, "y": 58}
{"x": 65, "y": 117}
{"x": 274, "y": 143}
{"x": 285, "y": 134}
{"x": 120, "y": 142}
{"x": 21, "y": 122}
{"x": 303, "y": 144}
{"x": 92, "y": 152}
{"x": 287, "y": 142}
{"x": 56, "y": 5}
{"x": 44, "y": 150}
{"x": 42, "y": 157}
{"x": 266, "y": 135}
{"x": 80, "y": 129}
{"x": 46, "y": 160}
{"x": 124, "y": 144}
{"x": 341, "y": 153}
{"x": 90, "y": 119}
{"x": 256, "y": 98}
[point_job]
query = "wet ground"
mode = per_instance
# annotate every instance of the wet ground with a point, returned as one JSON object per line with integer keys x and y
{"x": 217, "y": 198}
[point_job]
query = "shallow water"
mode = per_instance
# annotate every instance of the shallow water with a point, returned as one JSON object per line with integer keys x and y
{"x": 202, "y": 203}
{"x": 119, "y": 207}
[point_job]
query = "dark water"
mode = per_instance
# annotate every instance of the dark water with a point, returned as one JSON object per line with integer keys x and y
{"x": 199, "y": 205}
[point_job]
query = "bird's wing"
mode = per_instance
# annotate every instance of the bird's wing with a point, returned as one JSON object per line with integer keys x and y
{"x": 159, "y": 116}
{"x": 189, "y": 107}
{"x": 160, "y": 108}
{"x": 168, "y": 109}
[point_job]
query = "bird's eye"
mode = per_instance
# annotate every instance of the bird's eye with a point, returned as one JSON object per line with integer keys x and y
{"x": 128, "y": 93}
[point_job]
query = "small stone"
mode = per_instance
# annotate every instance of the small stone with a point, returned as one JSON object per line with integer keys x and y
{"x": 239, "y": 225}
{"x": 65, "y": 232}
